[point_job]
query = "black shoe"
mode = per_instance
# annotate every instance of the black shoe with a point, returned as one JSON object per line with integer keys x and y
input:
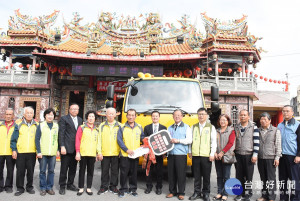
{"x": 9, "y": 190}
{"x": 158, "y": 191}
{"x": 89, "y": 192}
{"x": 148, "y": 190}
{"x": 102, "y": 191}
{"x": 72, "y": 188}
{"x": 43, "y": 193}
{"x": 62, "y": 191}
{"x": 121, "y": 194}
{"x": 31, "y": 191}
{"x": 194, "y": 196}
{"x": 206, "y": 198}
{"x": 238, "y": 198}
{"x": 18, "y": 193}
{"x": 114, "y": 190}
{"x": 1, "y": 190}
{"x": 80, "y": 193}
{"x": 133, "y": 193}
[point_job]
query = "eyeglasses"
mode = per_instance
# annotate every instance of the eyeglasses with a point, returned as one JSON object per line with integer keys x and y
{"x": 201, "y": 114}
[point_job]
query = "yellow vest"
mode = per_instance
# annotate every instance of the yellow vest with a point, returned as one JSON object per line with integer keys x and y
{"x": 26, "y": 140}
{"x": 108, "y": 139}
{"x": 131, "y": 137}
{"x": 201, "y": 143}
{"x": 49, "y": 139}
{"x": 89, "y": 141}
{"x": 5, "y": 136}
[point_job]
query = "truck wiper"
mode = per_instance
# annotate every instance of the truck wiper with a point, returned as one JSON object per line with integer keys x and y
{"x": 157, "y": 109}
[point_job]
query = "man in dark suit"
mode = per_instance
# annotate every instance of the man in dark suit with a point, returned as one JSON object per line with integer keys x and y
{"x": 148, "y": 130}
{"x": 67, "y": 132}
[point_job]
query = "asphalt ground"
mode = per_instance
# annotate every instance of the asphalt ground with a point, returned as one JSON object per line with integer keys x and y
{"x": 71, "y": 195}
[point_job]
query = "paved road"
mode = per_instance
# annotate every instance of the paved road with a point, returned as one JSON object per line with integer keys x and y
{"x": 109, "y": 196}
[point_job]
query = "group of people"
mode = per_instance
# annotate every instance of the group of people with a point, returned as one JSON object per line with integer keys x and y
{"x": 75, "y": 141}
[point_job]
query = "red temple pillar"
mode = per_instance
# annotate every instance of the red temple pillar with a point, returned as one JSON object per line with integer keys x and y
{"x": 279, "y": 116}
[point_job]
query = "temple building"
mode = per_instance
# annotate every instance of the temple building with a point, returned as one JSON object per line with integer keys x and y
{"x": 43, "y": 66}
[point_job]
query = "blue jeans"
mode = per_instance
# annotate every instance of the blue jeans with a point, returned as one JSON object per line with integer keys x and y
{"x": 223, "y": 174}
{"x": 47, "y": 183}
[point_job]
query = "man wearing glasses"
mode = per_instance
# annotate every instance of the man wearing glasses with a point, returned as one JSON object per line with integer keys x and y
{"x": 289, "y": 163}
{"x": 202, "y": 152}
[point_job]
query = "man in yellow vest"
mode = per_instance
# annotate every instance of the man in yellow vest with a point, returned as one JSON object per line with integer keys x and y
{"x": 110, "y": 150}
{"x": 129, "y": 139}
{"x": 202, "y": 153}
{"x": 24, "y": 150}
{"x": 6, "y": 129}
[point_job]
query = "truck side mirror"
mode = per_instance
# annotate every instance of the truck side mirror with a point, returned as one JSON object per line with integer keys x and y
{"x": 109, "y": 103}
{"x": 215, "y": 107}
{"x": 214, "y": 93}
{"x": 110, "y": 92}
{"x": 134, "y": 90}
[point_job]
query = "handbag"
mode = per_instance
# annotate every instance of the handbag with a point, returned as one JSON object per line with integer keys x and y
{"x": 229, "y": 159}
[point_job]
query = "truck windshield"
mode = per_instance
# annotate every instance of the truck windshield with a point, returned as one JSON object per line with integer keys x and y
{"x": 165, "y": 96}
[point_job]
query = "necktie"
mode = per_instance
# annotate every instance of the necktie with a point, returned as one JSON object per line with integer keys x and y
{"x": 75, "y": 122}
{"x": 155, "y": 129}
{"x": 176, "y": 126}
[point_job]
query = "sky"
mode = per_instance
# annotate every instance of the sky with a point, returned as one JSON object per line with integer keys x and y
{"x": 276, "y": 21}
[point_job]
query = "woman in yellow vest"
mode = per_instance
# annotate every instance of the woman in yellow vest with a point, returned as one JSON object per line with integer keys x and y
{"x": 46, "y": 142}
{"x": 87, "y": 146}
{"x": 224, "y": 156}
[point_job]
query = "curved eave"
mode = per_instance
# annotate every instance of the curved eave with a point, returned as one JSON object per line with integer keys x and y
{"x": 80, "y": 56}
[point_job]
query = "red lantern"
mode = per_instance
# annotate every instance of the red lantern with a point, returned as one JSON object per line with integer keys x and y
{"x": 261, "y": 77}
{"x": 266, "y": 79}
{"x": 246, "y": 71}
{"x": 11, "y": 65}
{"x": 220, "y": 70}
{"x": 21, "y": 65}
{"x": 53, "y": 69}
{"x": 187, "y": 73}
{"x": 168, "y": 74}
{"x": 197, "y": 68}
{"x": 46, "y": 65}
{"x": 62, "y": 70}
{"x": 251, "y": 72}
{"x": 239, "y": 69}
{"x": 279, "y": 82}
{"x": 270, "y": 80}
{"x": 37, "y": 65}
{"x": 28, "y": 66}
{"x": 178, "y": 73}
{"x": 209, "y": 69}
{"x": 229, "y": 70}
{"x": 275, "y": 81}
{"x": 6, "y": 67}
{"x": 256, "y": 75}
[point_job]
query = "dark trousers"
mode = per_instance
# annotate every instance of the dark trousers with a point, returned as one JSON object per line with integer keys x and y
{"x": 244, "y": 172}
{"x": 267, "y": 172}
{"x": 87, "y": 163}
{"x": 201, "y": 169}
{"x": 176, "y": 174}
{"x": 109, "y": 163}
{"x": 25, "y": 163}
{"x": 158, "y": 169}
{"x": 67, "y": 167}
{"x": 223, "y": 174}
{"x": 10, "y": 165}
{"x": 128, "y": 171}
{"x": 288, "y": 170}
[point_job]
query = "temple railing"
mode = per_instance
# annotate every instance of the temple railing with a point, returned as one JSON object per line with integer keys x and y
{"x": 227, "y": 83}
{"x": 24, "y": 76}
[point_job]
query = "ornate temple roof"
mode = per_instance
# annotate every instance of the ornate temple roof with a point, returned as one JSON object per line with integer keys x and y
{"x": 129, "y": 36}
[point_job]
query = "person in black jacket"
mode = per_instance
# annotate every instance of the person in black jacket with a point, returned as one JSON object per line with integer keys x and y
{"x": 148, "y": 130}
{"x": 67, "y": 132}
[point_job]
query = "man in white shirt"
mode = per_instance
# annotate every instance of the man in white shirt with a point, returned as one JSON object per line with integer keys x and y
{"x": 202, "y": 153}
{"x": 181, "y": 137}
